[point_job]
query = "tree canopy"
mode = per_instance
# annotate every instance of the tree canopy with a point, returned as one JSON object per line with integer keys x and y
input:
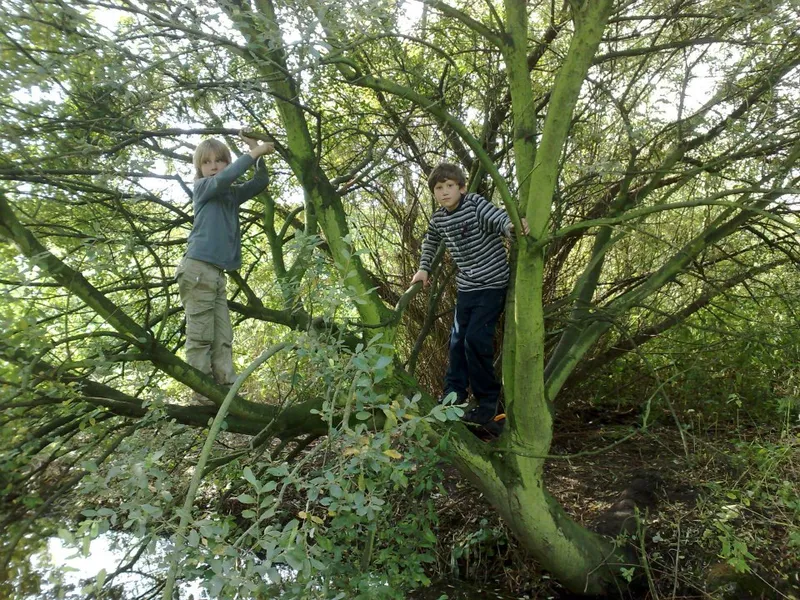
{"x": 651, "y": 145}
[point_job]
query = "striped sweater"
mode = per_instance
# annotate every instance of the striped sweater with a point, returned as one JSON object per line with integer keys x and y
{"x": 471, "y": 233}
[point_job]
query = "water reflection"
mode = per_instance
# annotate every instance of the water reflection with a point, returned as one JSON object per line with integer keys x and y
{"x": 69, "y": 571}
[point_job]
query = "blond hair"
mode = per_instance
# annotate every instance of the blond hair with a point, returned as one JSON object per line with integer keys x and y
{"x": 210, "y": 148}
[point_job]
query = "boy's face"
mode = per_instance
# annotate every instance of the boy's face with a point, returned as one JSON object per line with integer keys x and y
{"x": 211, "y": 165}
{"x": 448, "y": 193}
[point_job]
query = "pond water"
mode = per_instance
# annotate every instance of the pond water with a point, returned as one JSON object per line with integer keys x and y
{"x": 108, "y": 551}
{"x": 104, "y": 557}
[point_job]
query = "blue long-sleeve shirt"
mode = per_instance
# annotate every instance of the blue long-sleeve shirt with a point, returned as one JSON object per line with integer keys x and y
{"x": 216, "y": 237}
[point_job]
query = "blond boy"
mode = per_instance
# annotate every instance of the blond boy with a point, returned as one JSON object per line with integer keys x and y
{"x": 215, "y": 246}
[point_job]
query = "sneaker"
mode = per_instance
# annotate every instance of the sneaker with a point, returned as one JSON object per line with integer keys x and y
{"x": 485, "y": 421}
{"x": 480, "y": 415}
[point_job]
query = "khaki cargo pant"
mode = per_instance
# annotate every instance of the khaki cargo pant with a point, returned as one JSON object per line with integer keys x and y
{"x": 209, "y": 335}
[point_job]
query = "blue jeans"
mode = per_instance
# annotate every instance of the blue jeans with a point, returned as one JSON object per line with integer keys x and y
{"x": 472, "y": 347}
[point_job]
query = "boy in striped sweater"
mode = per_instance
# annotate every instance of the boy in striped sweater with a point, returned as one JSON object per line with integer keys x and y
{"x": 472, "y": 229}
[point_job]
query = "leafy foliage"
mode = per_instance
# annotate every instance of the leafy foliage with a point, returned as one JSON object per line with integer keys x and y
{"x": 658, "y": 171}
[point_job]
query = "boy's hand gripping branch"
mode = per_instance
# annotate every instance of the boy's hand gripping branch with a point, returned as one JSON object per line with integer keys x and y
{"x": 525, "y": 228}
{"x": 257, "y": 148}
{"x": 420, "y": 276}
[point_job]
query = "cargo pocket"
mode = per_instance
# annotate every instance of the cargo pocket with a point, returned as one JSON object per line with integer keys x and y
{"x": 187, "y": 279}
{"x": 200, "y": 325}
{"x": 198, "y": 295}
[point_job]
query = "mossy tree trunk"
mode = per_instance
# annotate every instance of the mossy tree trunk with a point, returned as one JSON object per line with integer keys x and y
{"x": 511, "y": 475}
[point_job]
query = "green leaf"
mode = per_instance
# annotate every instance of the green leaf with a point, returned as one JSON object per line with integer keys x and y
{"x": 294, "y": 561}
{"x": 193, "y": 539}
{"x": 67, "y": 536}
{"x": 250, "y": 477}
{"x": 382, "y": 362}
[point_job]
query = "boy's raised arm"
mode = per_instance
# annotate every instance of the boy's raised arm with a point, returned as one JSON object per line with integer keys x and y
{"x": 260, "y": 180}
{"x": 491, "y": 218}
{"x": 255, "y": 186}
{"x": 208, "y": 187}
{"x": 496, "y": 219}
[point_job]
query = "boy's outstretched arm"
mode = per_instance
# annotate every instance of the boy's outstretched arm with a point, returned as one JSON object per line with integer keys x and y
{"x": 429, "y": 245}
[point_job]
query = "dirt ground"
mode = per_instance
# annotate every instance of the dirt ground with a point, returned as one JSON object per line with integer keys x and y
{"x": 711, "y": 523}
